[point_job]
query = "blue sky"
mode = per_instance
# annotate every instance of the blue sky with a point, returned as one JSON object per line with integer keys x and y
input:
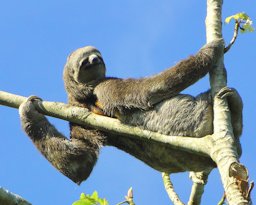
{"x": 136, "y": 38}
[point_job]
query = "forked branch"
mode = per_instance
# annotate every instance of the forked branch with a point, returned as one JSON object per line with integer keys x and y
{"x": 224, "y": 151}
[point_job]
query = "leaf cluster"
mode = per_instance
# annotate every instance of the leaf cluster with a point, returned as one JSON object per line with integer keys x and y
{"x": 243, "y": 20}
{"x": 90, "y": 200}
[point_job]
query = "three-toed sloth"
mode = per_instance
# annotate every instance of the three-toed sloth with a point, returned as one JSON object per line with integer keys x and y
{"x": 152, "y": 103}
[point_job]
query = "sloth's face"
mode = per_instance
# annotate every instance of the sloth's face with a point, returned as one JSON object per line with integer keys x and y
{"x": 87, "y": 65}
{"x": 91, "y": 68}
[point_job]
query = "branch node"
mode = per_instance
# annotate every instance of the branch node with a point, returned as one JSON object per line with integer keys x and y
{"x": 199, "y": 180}
{"x": 240, "y": 173}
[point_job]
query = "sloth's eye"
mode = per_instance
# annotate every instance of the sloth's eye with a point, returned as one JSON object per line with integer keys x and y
{"x": 85, "y": 63}
{"x": 93, "y": 59}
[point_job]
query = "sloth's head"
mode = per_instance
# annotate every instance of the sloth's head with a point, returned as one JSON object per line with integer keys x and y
{"x": 85, "y": 65}
{"x": 84, "y": 68}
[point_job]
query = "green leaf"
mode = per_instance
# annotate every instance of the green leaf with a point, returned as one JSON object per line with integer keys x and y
{"x": 90, "y": 200}
{"x": 85, "y": 200}
{"x": 247, "y": 26}
{"x": 239, "y": 16}
{"x": 228, "y": 19}
{"x": 82, "y": 196}
{"x": 103, "y": 202}
{"x": 95, "y": 195}
{"x": 242, "y": 16}
{"x": 244, "y": 21}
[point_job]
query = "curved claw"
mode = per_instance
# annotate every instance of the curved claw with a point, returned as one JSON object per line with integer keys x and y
{"x": 225, "y": 92}
{"x": 235, "y": 103}
{"x": 31, "y": 107}
{"x": 37, "y": 100}
{"x": 33, "y": 98}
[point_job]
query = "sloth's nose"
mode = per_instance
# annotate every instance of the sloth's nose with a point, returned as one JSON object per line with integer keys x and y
{"x": 93, "y": 59}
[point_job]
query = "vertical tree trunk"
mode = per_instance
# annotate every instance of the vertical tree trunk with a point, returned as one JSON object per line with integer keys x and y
{"x": 224, "y": 151}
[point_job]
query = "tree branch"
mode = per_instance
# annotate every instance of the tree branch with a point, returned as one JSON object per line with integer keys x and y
{"x": 8, "y": 198}
{"x": 199, "y": 180}
{"x": 82, "y": 116}
{"x": 224, "y": 151}
{"x": 170, "y": 189}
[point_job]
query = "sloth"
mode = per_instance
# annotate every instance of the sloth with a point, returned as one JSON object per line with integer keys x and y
{"x": 152, "y": 103}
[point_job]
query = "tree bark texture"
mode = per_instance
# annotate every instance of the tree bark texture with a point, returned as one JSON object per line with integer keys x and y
{"x": 224, "y": 149}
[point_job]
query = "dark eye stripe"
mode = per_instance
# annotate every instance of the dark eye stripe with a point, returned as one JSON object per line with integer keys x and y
{"x": 85, "y": 62}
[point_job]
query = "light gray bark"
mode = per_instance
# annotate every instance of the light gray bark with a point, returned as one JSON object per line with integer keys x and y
{"x": 82, "y": 116}
{"x": 199, "y": 180}
{"x": 224, "y": 151}
{"x": 170, "y": 189}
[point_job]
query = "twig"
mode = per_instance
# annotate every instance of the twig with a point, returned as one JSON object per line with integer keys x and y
{"x": 170, "y": 189}
{"x": 123, "y": 202}
{"x": 237, "y": 26}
